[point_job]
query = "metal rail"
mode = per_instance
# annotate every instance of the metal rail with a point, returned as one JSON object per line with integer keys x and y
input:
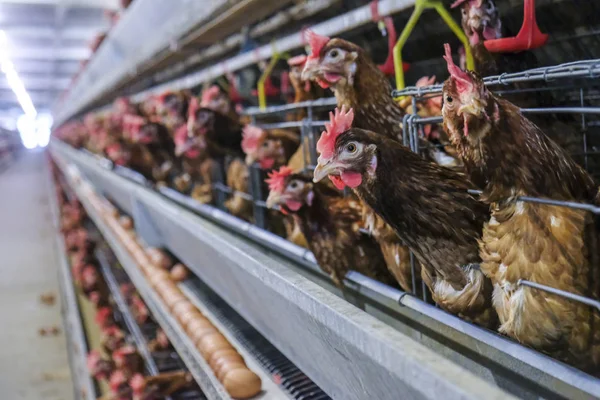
{"x": 579, "y": 69}
{"x": 83, "y": 384}
{"x": 191, "y": 239}
{"x": 295, "y": 13}
{"x": 99, "y": 82}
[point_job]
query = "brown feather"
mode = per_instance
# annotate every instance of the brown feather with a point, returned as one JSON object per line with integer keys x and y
{"x": 550, "y": 245}
{"x": 433, "y": 215}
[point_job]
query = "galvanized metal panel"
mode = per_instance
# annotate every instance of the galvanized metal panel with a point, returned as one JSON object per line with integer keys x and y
{"x": 82, "y": 382}
{"x": 110, "y": 65}
{"x": 520, "y": 370}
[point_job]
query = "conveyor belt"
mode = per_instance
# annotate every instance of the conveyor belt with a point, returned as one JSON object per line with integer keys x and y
{"x": 281, "y": 369}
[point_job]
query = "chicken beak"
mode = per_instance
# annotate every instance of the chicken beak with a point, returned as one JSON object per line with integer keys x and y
{"x": 310, "y": 69}
{"x": 323, "y": 169}
{"x": 250, "y": 159}
{"x": 471, "y": 108}
{"x": 273, "y": 199}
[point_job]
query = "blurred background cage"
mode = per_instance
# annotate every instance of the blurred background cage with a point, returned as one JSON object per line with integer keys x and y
{"x": 573, "y": 85}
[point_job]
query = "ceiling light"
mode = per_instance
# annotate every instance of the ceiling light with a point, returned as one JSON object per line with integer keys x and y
{"x": 13, "y": 79}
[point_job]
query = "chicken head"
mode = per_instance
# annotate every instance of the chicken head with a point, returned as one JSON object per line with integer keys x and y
{"x": 259, "y": 147}
{"x": 469, "y": 109}
{"x": 289, "y": 191}
{"x": 332, "y": 62}
{"x": 344, "y": 156}
{"x": 480, "y": 20}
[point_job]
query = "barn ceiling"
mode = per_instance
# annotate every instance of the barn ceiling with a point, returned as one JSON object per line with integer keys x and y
{"x": 46, "y": 41}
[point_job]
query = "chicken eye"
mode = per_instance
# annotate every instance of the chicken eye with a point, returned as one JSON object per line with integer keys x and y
{"x": 265, "y": 144}
{"x": 293, "y": 185}
{"x": 334, "y": 53}
{"x": 449, "y": 99}
{"x": 351, "y": 148}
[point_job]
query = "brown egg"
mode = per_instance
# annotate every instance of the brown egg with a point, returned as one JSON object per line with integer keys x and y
{"x": 197, "y": 324}
{"x": 220, "y": 353}
{"x": 166, "y": 286}
{"x": 179, "y": 273}
{"x": 229, "y": 357}
{"x": 186, "y": 318}
{"x": 199, "y": 334}
{"x": 175, "y": 299}
{"x": 126, "y": 222}
{"x": 157, "y": 276}
{"x": 138, "y": 255}
{"x": 212, "y": 342}
{"x": 227, "y": 366}
{"x": 241, "y": 383}
{"x": 183, "y": 307}
{"x": 159, "y": 257}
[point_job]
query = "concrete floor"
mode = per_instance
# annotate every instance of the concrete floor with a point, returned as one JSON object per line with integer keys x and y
{"x": 31, "y": 366}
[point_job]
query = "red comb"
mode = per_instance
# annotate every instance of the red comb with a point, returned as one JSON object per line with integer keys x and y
{"x": 298, "y": 60}
{"x": 102, "y": 314}
{"x": 137, "y": 382}
{"x": 117, "y": 379}
{"x": 192, "y": 110}
{"x": 339, "y": 122}
{"x": 316, "y": 43}
{"x": 251, "y": 138}
{"x": 95, "y": 297}
{"x": 113, "y": 147}
{"x": 462, "y": 79}
{"x": 133, "y": 123}
{"x": 93, "y": 358}
{"x": 460, "y": 2}
{"x": 209, "y": 95}
{"x": 276, "y": 180}
{"x": 119, "y": 354}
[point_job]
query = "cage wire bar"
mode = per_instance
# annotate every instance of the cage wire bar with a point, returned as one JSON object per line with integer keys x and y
{"x": 140, "y": 342}
{"x": 412, "y": 125}
{"x": 412, "y": 132}
{"x": 582, "y": 70}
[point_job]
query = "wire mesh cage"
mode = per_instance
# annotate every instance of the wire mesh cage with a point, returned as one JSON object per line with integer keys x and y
{"x": 575, "y": 93}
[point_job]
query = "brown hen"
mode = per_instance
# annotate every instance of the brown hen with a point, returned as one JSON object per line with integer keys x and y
{"x": 427, "y": 205}
{"x": 555, "y": 246}
{"x": 358, "y": 83}
{"x": 331, "y": 224}
{"x": 237, "y": 180}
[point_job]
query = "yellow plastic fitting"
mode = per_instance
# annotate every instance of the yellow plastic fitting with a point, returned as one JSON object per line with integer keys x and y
{"x": 420, "y": 6}
{"x": 262, "y": 97}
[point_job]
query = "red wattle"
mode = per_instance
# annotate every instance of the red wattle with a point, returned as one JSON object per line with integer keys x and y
{"x": 351, "y": 179}
{"x": 337, "y": 182}
{"x": 267, "y": 163}
{"x": 332, "y": 77}
{"x": 293, "y": 205}
{"x": 323, "y": 83}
